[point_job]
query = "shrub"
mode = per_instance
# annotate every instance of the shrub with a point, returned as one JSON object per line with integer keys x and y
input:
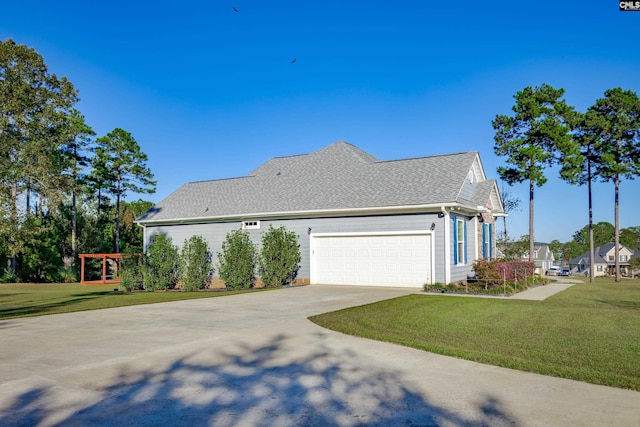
{"x": 131, "y": 273}
{"x": 279, "y": 257}
{"x": 513, "y": 271}
{"x": 7, "y": 276}
{"x": 161, "y": 264}
{"x": 196, "y": 263}
{"x": 497, "y": 271}
{"x": 236, "y": 262}
{"x": 486, "y": 270}
{"x": 66, "y": 275}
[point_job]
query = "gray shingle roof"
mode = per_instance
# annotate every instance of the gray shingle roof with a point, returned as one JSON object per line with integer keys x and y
{"x": 482, "y": 192}
{"x": 599, "y": 255}
{"x": 339, "y": 176}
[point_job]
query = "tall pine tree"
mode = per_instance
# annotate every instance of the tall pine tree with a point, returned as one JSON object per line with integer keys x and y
{"x": 128, "y": 172}
{"x": 533, "y": 139}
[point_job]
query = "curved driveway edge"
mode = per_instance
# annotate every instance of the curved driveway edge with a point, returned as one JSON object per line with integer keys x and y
{"x": 254, "y": 359}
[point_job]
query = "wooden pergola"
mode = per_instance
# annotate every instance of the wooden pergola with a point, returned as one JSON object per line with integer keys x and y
{"x": 103, "y": 280}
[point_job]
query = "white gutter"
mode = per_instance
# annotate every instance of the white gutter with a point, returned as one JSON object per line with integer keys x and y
{"x": 447, "y": 245}
{"x": 310, "y": 213}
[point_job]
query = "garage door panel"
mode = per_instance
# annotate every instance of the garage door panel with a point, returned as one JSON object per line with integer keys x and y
{"x": 384, "y": 260}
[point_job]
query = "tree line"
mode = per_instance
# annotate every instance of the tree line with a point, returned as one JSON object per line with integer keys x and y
{"x": 602, "y": 143}
{"x": 603, "y": 232}
{"x": 61, "y": 189}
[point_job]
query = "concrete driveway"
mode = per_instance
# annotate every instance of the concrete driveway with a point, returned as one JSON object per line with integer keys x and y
{"x": 254, "y": 359}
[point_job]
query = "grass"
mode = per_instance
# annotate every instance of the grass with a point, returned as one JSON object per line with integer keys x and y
{"x": 25, "y": 300}
{"x": 590, "y": 332}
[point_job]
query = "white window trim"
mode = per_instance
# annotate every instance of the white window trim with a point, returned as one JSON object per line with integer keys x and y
{"x": 253, "y": 224}
{"x": 486, "y": 246}
{"x": 462, "y": 256}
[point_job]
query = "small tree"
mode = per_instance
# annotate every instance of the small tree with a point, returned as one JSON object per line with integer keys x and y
{"x": 196, "y": 262}
{"x": 514, "y": 249}
{"x": 236, "y": 262}
{"x": 279, "y": 257}
{"x": 162, "y": 264}
{"x": 510, "y": 203}
{"x": 131, "y": 273}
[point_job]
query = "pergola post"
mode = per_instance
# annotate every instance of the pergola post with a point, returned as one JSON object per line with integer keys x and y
{"x": 103, "y": 277}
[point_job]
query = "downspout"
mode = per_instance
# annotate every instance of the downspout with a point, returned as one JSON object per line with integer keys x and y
{"x": 447, "y": 246}
{"x": 144, "y": 236}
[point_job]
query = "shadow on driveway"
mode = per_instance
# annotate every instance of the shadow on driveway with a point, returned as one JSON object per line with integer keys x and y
{"x": 246, "y": 385}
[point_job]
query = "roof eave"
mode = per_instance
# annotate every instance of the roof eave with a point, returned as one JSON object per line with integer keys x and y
{"x": 382, "y": 210}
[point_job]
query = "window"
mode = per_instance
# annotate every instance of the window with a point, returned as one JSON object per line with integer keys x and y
{"x": 599, "y": 267}
{"x": 250, "y": 225}
{"x": 623, "y": 258}
{"x": 459, "y": 241}
{"x": 611, "y": 258}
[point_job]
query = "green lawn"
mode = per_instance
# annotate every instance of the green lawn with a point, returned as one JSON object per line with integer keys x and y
{"x": 588, "y": 333}
{"x": 22, "y": 300}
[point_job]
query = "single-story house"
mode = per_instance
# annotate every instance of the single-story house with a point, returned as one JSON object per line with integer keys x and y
{"x": 604, "y": 261}
{"x": 360, "y": 220}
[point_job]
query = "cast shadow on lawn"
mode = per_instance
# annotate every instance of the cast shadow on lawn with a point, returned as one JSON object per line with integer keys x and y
{"x": 39, "y": 309}
{"x": 635, "y": 305}
{"x": 254, "y": 386}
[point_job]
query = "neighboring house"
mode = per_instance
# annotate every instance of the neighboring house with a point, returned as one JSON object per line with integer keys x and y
{"x": 360, "y": 221}
{"x": 604, "y": 261}
{"x": 542, "y": 256}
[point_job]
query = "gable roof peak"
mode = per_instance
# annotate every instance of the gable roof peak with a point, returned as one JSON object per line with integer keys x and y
{"x": 342, "y": 148}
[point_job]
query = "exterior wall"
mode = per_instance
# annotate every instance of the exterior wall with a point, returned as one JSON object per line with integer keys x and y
{"x": 486, "y": 219}
{"x": 462, "y": 271}
{"x": 600, "y": 269}
{"x": 610, "y": 256}
{"x": 215, "y": 233}
{"x": 467, "y": 190}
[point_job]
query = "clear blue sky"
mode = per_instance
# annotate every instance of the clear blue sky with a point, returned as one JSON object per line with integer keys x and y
{"x": 211, "y": 93}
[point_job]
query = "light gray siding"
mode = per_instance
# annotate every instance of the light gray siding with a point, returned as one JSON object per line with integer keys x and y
{"x": 461, "y": 271}
{"x": 467, "y": 190}
{"x": 214, "y": 233}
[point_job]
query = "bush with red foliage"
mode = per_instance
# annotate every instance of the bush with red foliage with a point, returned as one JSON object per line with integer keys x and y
{"x": 511, "y": 271}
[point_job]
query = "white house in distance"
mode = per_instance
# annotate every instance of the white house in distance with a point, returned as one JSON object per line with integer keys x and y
{"x": 542, "y": 257}
{"x": 360, "y": 220}
{"x": 604, "y": 261}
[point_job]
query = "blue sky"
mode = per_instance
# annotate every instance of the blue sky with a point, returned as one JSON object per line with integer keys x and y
{"x": 211, "y": 93}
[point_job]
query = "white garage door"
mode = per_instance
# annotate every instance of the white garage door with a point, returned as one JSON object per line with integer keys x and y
{"x": 372, "y": 260}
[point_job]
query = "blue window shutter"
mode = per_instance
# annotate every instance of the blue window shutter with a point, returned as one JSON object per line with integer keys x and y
{"x": 455, "y": 240}
{"x": 464, "y": 255}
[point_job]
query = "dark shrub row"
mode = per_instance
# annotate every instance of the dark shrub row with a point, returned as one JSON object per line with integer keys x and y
{"x": 163, "y": 267}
